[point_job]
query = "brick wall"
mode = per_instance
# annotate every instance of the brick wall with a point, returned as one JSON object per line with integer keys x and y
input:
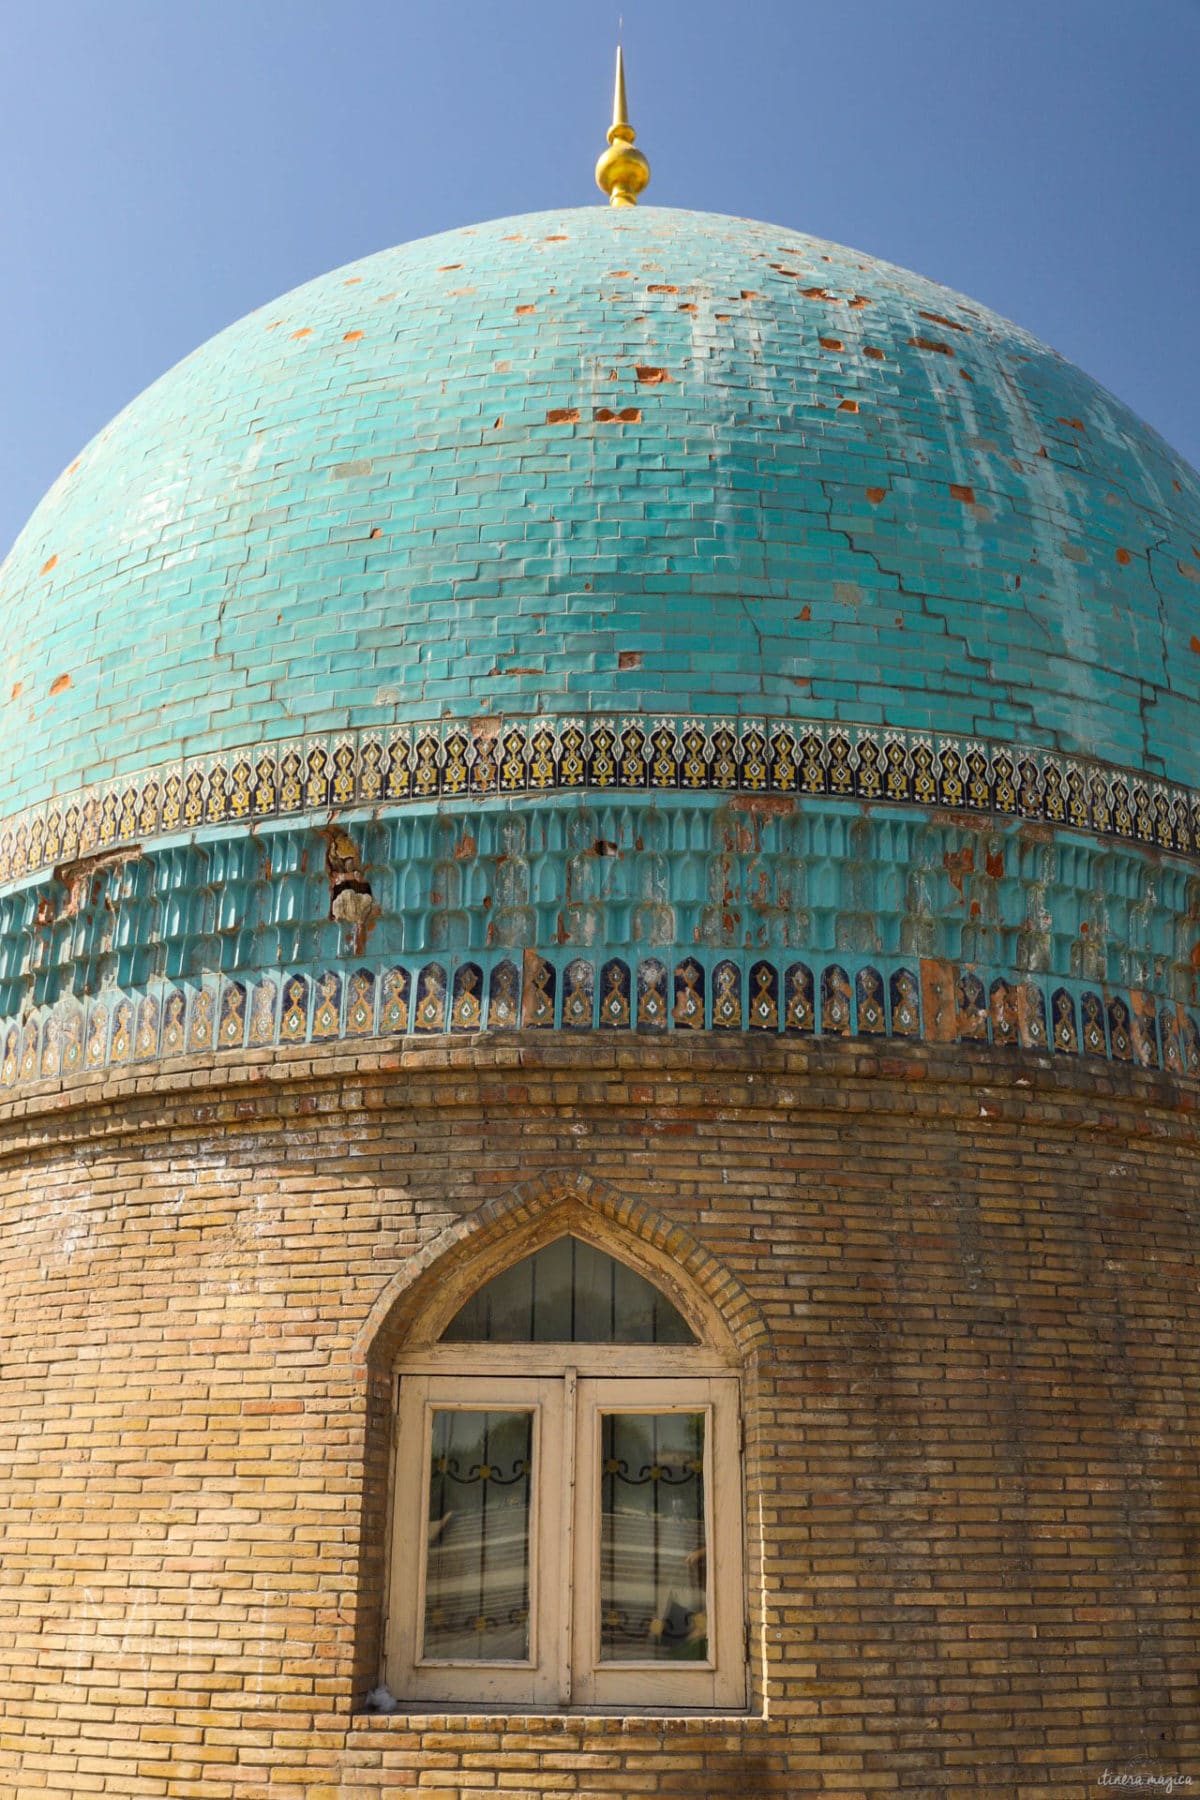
{"x": 965, "y": 1285}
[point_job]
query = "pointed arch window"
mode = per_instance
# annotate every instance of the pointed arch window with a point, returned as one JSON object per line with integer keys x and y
{"x": 568, "y": 1292}
{"x": 567, "y": 1513}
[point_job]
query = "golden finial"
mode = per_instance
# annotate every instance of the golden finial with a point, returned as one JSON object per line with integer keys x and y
{"x": 622, "y": 172}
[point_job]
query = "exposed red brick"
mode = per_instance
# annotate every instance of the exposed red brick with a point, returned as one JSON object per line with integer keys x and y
{"x": 958, "y": 865}
{"x": 939, "y": 1001}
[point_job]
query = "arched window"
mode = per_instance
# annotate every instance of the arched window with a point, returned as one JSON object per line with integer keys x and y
{"x": 567, "y": 1522}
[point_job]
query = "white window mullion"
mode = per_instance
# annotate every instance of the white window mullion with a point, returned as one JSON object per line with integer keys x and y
{"x": 565, "y": 1623}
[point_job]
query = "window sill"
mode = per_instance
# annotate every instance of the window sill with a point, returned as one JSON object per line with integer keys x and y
{"x": 613, "y": 1721}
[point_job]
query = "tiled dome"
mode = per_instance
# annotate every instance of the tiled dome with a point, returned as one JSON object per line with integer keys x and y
{"x": 655, "y": 462}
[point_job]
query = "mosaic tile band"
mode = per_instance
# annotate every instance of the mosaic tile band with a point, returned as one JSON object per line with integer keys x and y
{"x": 927, "y": 1000}
{"x": 451, "y": 760}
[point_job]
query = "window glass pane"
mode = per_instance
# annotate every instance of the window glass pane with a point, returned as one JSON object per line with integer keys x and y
{"x": 594, "y": 1314}
{"x": 568, "y": 1293}
{"x": 653, "y": 1555}
{"x": 551, "y": 1294}
{"x": 477, "y": 1553}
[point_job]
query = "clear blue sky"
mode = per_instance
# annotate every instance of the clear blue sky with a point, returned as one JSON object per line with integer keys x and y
{"x": 166, "y": 165}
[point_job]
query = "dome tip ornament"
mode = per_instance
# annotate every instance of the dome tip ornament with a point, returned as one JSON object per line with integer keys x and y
{"x": 621, "y": 172}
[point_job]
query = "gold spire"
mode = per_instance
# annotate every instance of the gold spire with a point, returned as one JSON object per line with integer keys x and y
{"x": 622, "y": 172}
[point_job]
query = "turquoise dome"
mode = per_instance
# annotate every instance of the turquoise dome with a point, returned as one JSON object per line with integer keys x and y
{"x": 630, "y": 620}
{"x": 654, "y": 462}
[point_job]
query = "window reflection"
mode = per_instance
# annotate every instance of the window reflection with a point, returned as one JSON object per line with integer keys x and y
{"x": 477, "y": 1553}
{"x": 653, "y": 1554}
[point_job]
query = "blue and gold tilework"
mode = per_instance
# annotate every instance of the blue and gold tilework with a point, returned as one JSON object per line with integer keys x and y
{"x": 627, "y": 911}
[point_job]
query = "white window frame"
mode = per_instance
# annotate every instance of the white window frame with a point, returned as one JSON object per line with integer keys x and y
{"x": 490, "y": 1683}
{"x": 720, "y": 1680}
{"x": 568, "y": 1387}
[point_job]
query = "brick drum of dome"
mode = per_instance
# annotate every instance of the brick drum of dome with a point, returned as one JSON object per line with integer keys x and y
{"x": 650, "y": 730}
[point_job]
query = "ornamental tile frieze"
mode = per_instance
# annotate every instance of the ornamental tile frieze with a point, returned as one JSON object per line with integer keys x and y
{"x": 604, "y": 754}
{"x": 926, "y": 1001}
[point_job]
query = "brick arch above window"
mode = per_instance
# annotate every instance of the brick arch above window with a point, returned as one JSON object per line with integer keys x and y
{"x": 421, "y": 1298}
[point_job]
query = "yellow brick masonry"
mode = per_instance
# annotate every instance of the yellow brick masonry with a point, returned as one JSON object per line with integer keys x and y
{"x": 964, "y": 1286}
